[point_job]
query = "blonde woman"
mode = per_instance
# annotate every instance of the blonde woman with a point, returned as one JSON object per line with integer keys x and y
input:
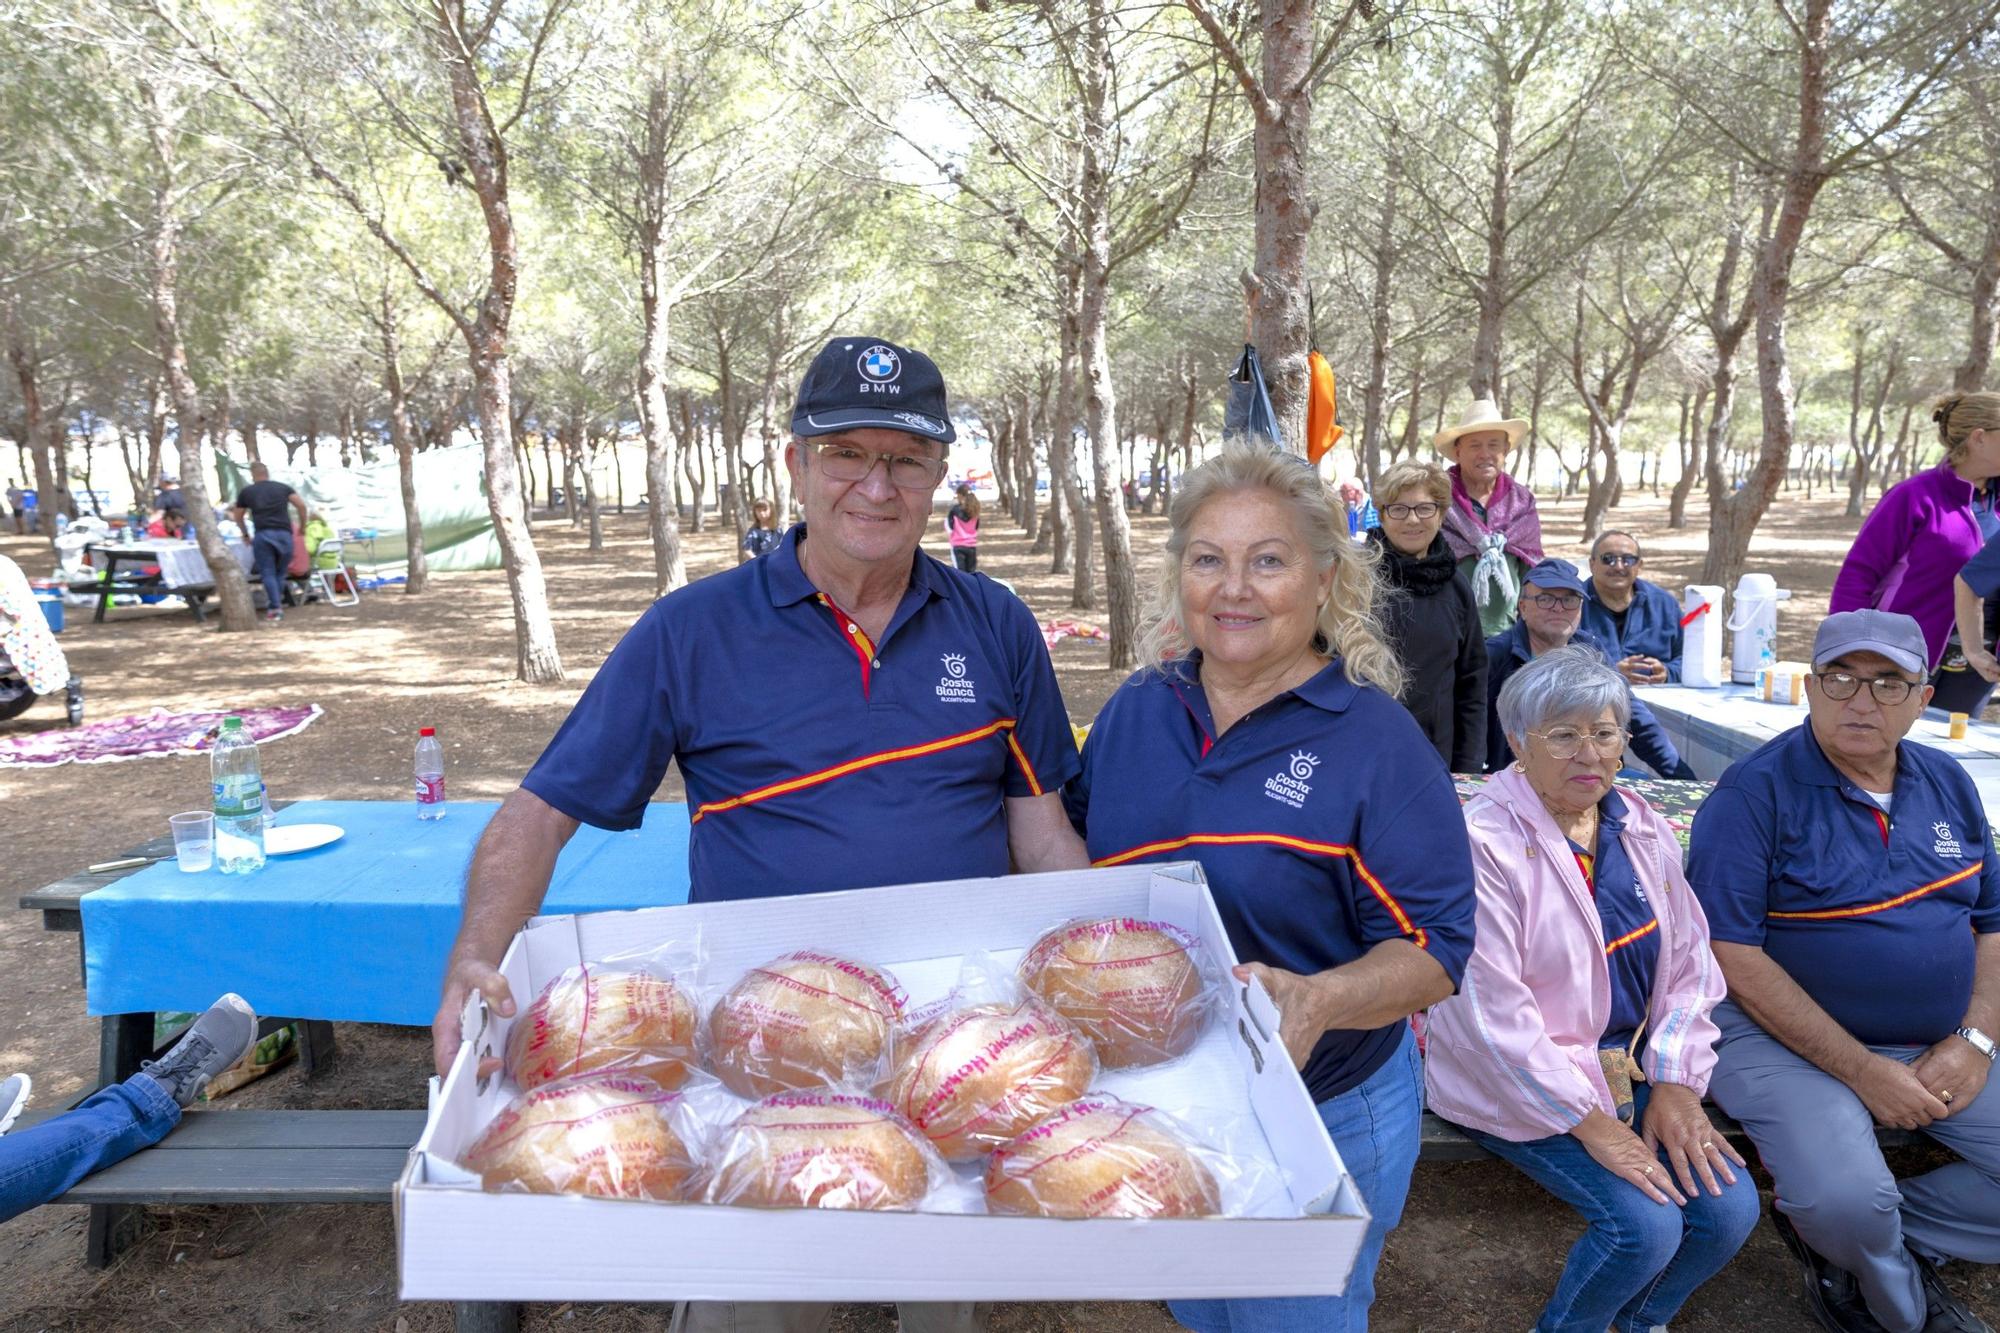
{"x": 1922, "y": 531}
{"x": 1268, "y": 745}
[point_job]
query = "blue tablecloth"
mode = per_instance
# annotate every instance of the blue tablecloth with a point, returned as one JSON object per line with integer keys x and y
{"x": 355, "y": 931}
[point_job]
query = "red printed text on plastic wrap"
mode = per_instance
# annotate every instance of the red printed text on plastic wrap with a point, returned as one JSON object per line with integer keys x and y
{"x": 821, "y": 1150}
{"x": 610, "y": 1135}
{"x": 1101, "y": 1157}
{"x": 976, "y": 1077}
{"x": 805, "y": 1021}
{"x": 1138, "y": 989}
{"x": 594, "y": 1018}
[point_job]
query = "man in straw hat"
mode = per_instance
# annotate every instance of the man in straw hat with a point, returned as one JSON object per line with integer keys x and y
{"x": 1492, "y": 527}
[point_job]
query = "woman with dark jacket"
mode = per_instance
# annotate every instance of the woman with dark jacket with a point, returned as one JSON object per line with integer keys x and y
{"x": 1429, "y": 615}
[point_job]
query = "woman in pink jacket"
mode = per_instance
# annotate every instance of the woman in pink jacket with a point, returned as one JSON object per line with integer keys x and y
{"x": 1579, "y": 1044}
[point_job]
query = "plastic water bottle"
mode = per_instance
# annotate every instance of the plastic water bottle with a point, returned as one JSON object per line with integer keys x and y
{"x": 239, "y": 801}
{"x": 430, "y": 775}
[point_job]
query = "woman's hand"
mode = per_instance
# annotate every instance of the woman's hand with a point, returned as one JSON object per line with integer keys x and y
{"x": 1984, "y": 663}
{"x": 1613, "y": 1146}
{"x": 1675, "y": 1121}
{"x": 1304, "y": 1007}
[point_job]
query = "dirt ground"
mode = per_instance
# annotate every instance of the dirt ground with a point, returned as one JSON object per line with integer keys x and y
{"x": 1480, "y": 1247}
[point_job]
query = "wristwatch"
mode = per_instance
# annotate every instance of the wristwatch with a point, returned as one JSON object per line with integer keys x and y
{"x": 1979, "y": 1041}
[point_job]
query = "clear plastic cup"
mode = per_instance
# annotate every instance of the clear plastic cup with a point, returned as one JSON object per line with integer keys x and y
{"x": 194, "y": 839}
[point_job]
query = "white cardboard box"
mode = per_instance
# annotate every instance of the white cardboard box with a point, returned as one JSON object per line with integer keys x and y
{"x": 456, "y": 1242}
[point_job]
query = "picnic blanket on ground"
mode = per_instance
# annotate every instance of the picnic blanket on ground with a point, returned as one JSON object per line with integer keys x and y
{"x": 159, "y": 734}
{"x": 1055, "y": 631}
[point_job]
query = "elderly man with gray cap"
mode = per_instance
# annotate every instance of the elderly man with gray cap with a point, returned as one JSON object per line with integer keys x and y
{"x": 1854, "y": 901}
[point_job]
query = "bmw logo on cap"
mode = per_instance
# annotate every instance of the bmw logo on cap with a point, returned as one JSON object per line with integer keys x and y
{"x": 879, "y": 364}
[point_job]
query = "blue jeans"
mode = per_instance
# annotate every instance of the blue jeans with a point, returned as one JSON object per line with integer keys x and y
{"x": 1376, "y": 1125}
{"x": 1637, "y": 1261}
{"x": 41, "y": 1162}
{"x": 271, "y": 555}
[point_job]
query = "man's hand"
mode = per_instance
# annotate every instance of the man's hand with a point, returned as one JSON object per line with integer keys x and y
{"x": 1987, "y": 665}
{"x": 1303, "y": 1010}
{"x": 1675, "y": 1121}
{"x": 1643, "y": 670}
{"x": 465, "y": 976}
{"x": 1954, "y": 1071}
{"x": 1895, "y": 1095}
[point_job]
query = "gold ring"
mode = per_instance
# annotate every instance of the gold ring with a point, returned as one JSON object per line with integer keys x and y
{"x": 1944, "y": 1095}
{"x": 1649, "y": 1170}
{"x": 1707, "y": 1144}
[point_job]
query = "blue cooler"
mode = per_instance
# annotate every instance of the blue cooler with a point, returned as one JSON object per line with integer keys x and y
{"x": 52, "y": 608}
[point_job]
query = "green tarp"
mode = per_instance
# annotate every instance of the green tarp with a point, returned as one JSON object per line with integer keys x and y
{"x": 451, "y": 498}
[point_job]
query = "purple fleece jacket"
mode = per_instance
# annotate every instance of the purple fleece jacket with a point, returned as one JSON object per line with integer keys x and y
{"x": 1909, "y": 548}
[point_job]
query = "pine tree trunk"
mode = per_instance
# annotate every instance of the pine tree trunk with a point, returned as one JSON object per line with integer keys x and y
{"x": 404, "y": 439}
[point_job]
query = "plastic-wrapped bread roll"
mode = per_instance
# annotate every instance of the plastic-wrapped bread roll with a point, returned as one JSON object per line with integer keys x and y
{"x": 1137, "y": 989}
{"x": 611, "y": 1135}
{"x": 1101, "y": 1157}
{"x": 820, "y": 1150}
{"x": 595, "y": 1018}
{"x": 804, "y": 1021}
{"x": 978, "y": 1076}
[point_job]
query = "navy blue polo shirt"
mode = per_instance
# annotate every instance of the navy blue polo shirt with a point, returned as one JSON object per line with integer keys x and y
{"x": 1631, "y": 930}
{"x": 1872, "y": 914}
{"x": 1982, "y": 572}
{"x": 816, "y": 760}
{"x": 1324, "y": 821}
{"x": 1652, "y": 625}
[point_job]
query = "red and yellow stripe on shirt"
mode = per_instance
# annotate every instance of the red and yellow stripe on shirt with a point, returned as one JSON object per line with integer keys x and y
{"x": 1631, "y": 937}
{"x": 1388, "y": 900}
{"x": 1005, "y": 726}
{"x": 1840, "y": 913}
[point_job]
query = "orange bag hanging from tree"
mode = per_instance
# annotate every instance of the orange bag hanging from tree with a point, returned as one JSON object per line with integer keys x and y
{"x": 1321, "y": 431}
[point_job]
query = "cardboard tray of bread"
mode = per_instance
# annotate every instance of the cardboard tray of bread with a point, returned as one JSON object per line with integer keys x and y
{"x": 1037, "y": 1087}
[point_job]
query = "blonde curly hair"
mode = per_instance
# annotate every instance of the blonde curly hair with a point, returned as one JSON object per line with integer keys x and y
{"x": 1348, "y": 626}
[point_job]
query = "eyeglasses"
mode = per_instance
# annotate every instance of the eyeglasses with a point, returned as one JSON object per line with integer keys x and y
{"x": 1844, "y": 685}
{"x": 1427, "y": 510}
{"x": 909, "y": 472}
{"x": 1614, "y": 560}
{"x": 1566, "y": 742}
{"x": 1550, "y": 601}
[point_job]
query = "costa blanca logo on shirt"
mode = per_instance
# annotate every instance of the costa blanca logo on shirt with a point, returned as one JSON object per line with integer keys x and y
{"x": 1946, "y": 844}
{"x": 953, "y": 687}
{"x": 1291, "y": 785}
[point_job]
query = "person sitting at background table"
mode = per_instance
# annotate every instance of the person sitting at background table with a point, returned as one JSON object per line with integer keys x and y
{"x": 1851, "y": 882}
{"x": 1923, "y": 530}
{"x": 1270, "y": 665}
{"x": 1492, "y": 525}
{"x": 1428, "y": 615}
{"x": 1639, "y": 622}
{"x": 44, "y": 1160}
{"x": 1579, "y": 1046}
{"x": 1551, "y": 607}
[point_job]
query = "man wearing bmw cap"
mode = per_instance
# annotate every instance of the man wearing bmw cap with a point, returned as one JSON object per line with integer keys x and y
{"x": 813, "y": 699}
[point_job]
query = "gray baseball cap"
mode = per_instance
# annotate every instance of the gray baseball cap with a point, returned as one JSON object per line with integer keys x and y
{"x": 1895, "y": 636}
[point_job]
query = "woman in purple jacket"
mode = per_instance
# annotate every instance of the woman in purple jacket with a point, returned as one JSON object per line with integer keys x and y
{"x": 1923, "y": 530}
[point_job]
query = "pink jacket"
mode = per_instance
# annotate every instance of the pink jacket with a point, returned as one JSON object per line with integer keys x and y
{"x": 1514, "y": 1053}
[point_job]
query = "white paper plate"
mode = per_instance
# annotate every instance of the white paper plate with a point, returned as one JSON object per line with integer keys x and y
{"x": 285, "y": 839}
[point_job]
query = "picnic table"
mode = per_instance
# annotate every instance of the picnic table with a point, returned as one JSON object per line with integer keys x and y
{"x": 356, "y": 931}
{"x": 183, "y": 572}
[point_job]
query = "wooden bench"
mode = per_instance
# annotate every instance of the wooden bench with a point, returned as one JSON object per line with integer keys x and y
{"x": 1442, "y": 1141}
{"x": 287, "y": 1157}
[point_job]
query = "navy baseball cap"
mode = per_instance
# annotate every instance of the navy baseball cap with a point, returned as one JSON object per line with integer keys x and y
{"x": 1555, "y": 573}
{"x": 859, "y": 382}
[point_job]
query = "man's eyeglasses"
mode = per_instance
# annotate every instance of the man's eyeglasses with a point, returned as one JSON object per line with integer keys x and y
{"x": 1566, "y": 742}
{"x": 909, "y": 472}
{"x": 1615, "y": 560}
{"x": 1427, "y": 510}
{"x": 1844, "y": 685}
{"x": 1557, "y": 601}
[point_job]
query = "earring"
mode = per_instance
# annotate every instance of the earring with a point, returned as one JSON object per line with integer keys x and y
{"x": 1518, "y": 768}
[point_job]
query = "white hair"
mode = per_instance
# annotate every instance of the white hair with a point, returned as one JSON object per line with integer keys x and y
{"x": 1569, "y": 682}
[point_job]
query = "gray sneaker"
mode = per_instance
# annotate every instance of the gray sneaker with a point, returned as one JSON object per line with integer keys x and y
{"x": 14, "y": 1091}
{"x": 216, "y": 1041}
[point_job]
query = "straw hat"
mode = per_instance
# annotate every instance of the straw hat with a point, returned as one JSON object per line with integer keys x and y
{"x": 1481, "y": 416}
